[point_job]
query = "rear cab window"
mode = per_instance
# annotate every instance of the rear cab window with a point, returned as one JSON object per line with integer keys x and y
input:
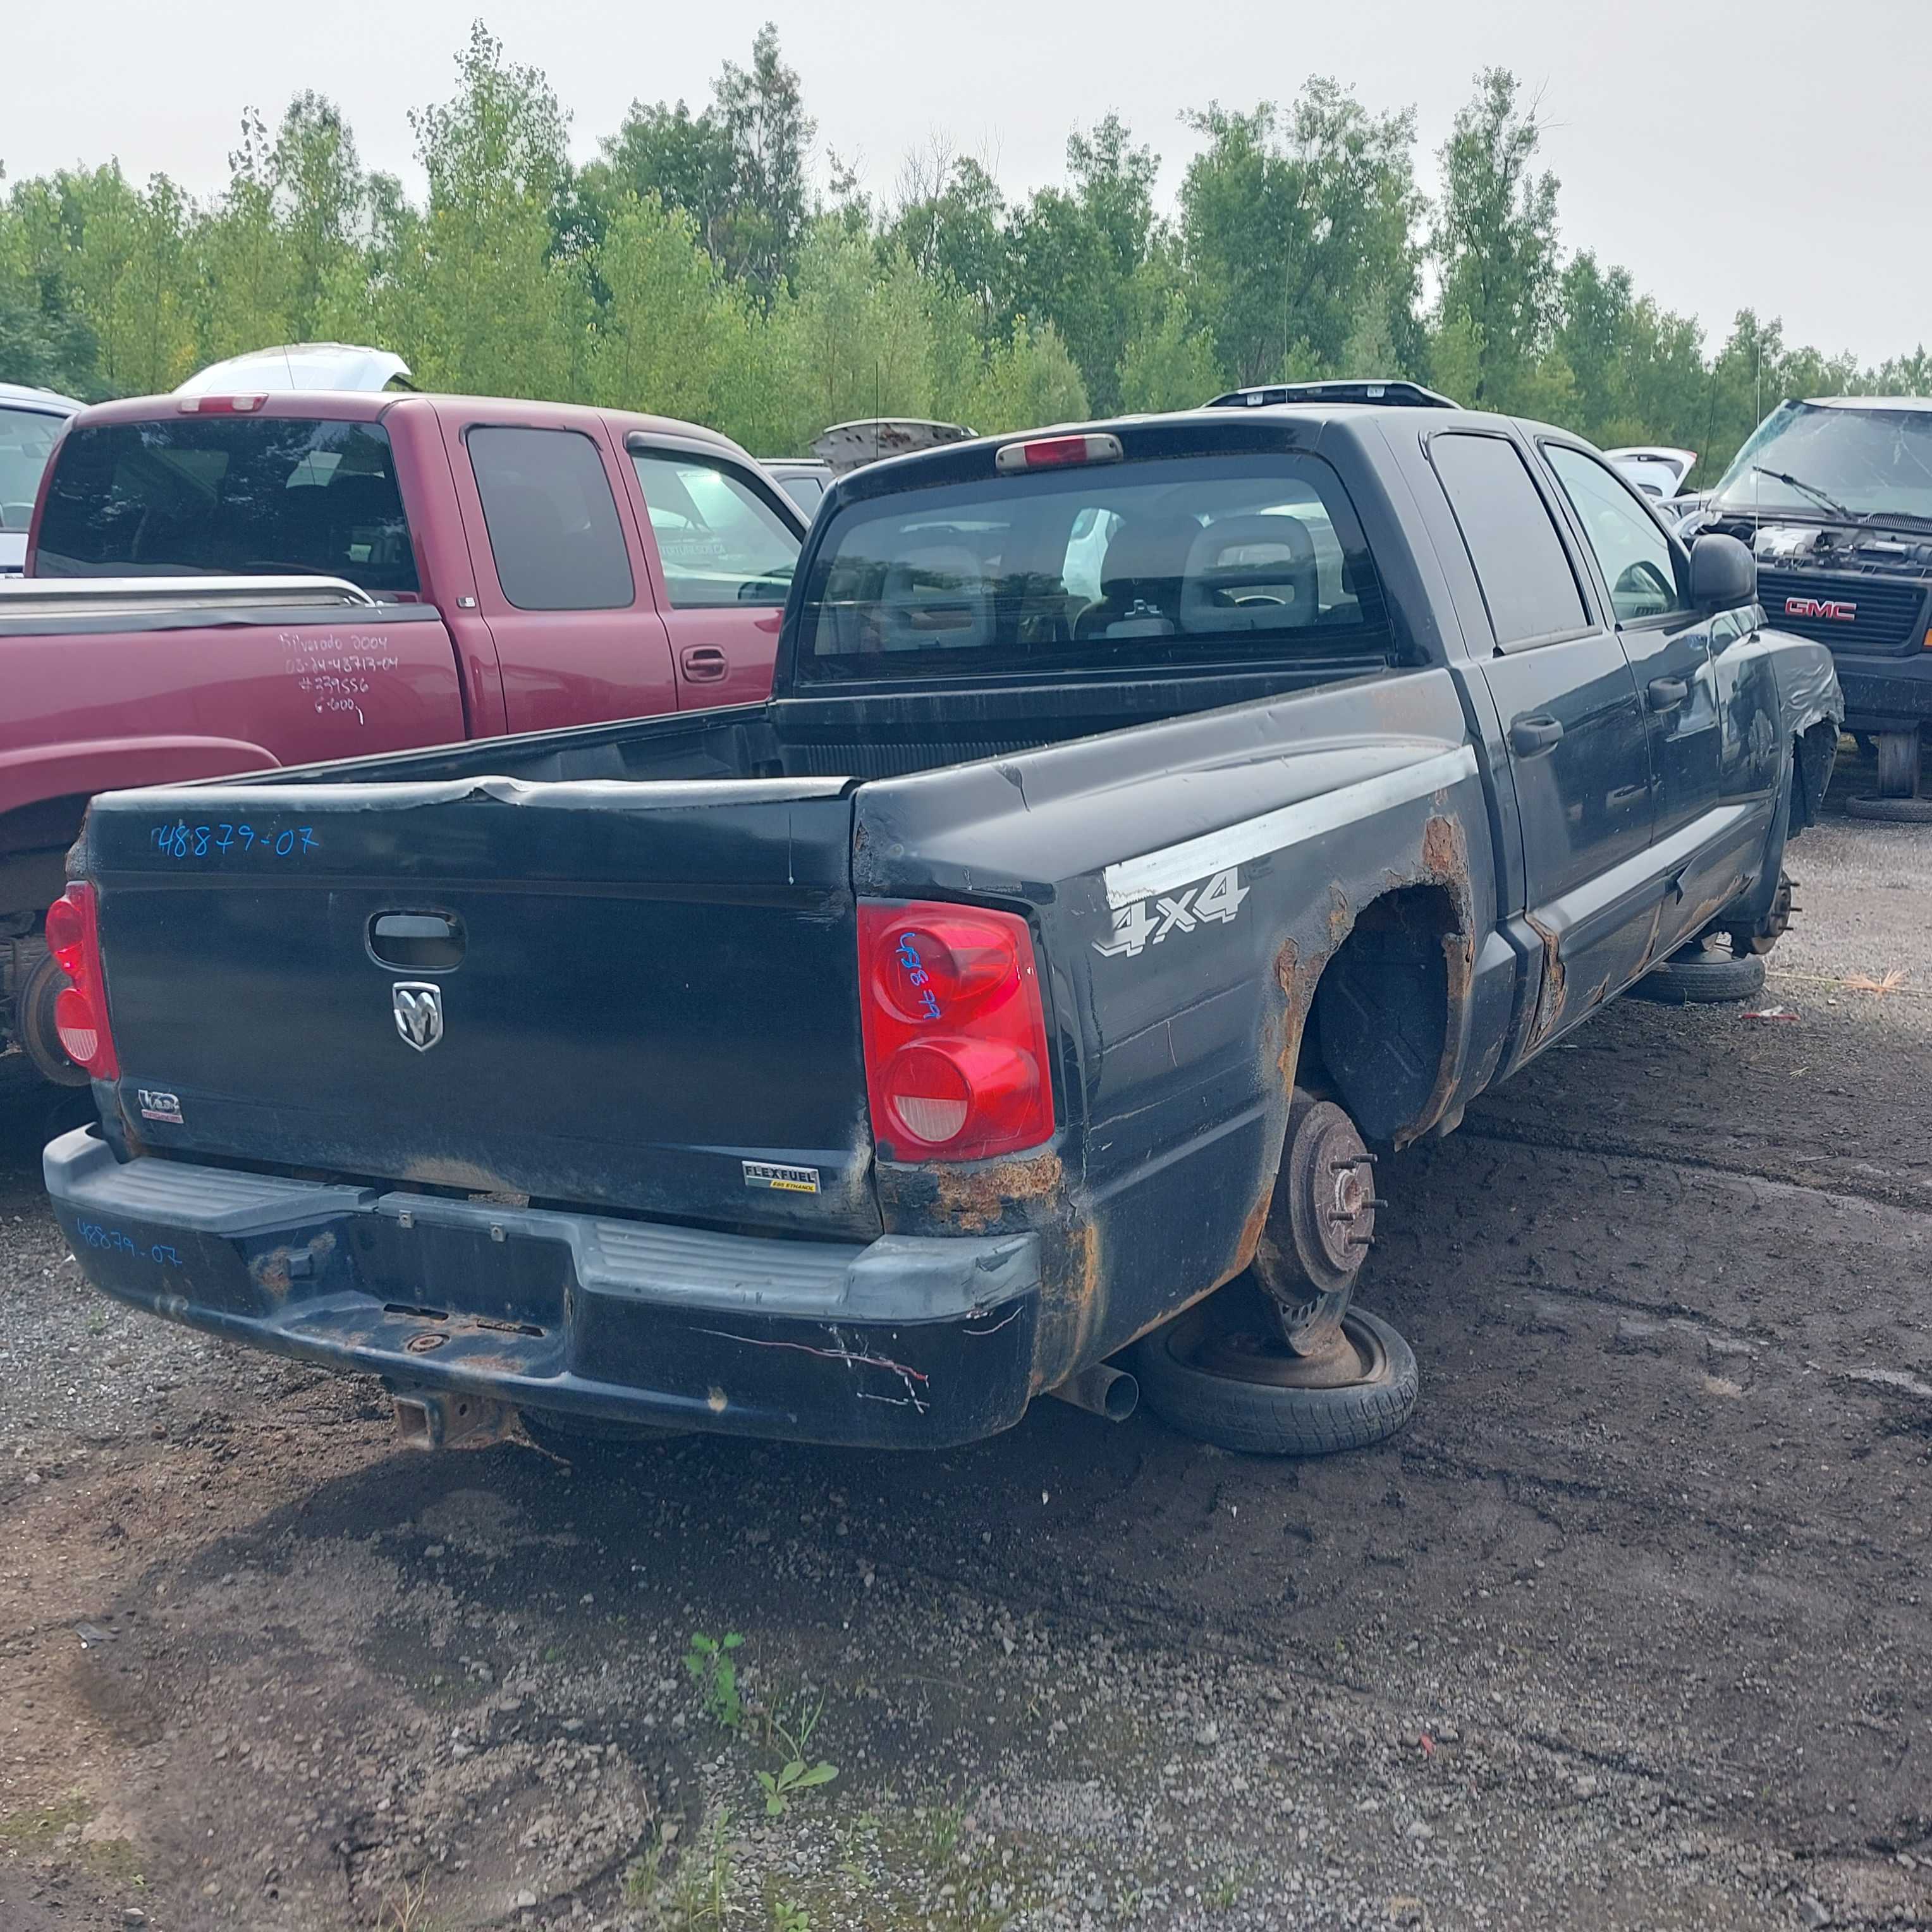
{"x": 228, "y": 495}
{"x": 1201, "y": 562}
{"x": 552, "y": 519}
{"x": 1519, "y": 561}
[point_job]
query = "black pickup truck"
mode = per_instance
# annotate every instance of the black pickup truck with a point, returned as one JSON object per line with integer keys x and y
{"x": 1834, "y": 496}
{"x": 1150, "y": 818}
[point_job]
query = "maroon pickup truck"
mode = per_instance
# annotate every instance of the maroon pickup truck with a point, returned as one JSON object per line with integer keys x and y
{"x": 425, "y": 569}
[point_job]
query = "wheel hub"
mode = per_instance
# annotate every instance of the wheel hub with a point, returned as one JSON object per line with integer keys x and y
{"x": 1320, "y": 1226}
{"x": 1352, "y": 1354}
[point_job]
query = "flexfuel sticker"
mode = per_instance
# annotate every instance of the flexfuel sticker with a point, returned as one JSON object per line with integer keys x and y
{"x": 786, "y": 1180}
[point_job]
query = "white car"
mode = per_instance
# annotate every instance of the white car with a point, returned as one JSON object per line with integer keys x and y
{"x": 1657, "y": 472}
{"x": 30, "y": 421}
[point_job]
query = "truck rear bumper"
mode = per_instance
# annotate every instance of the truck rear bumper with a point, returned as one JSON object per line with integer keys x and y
{"x": 903, "y": 1341}
{"x": 1886, "y": 694}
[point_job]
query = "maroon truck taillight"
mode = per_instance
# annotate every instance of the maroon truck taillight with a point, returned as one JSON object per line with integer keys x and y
{"x": 80, "y": 1010}
{"x": 956, "y": 1063}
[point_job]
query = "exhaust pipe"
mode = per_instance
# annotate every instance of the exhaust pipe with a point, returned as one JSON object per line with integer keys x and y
{"x": 1101, "y": 1390}
{"x": 448, "y": 1419}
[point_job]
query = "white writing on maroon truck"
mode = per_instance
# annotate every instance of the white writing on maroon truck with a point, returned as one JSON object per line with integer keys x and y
{"x": 335, "y": 673}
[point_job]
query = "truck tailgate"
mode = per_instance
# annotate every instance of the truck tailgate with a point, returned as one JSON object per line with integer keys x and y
{"x": 639, "y": 995}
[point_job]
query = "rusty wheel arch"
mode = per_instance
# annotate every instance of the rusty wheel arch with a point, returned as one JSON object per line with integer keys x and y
{"x": 1407, "y": 950}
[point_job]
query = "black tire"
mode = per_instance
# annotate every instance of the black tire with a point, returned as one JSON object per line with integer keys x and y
{"x": 1898, "y": 763}
{"x": 34, "y": 1023}
{"x": 1261, "y": 1419}
{"x": 1891, "y": 810}
{"x": 1696, "y": 978}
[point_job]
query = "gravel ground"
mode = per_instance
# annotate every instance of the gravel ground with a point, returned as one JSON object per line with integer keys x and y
{"x": 1626, "y": 1630}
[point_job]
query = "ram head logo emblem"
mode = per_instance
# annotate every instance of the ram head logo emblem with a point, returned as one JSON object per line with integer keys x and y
{"x": 418, "y": 1006}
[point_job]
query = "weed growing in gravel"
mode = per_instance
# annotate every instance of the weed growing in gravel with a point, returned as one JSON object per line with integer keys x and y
{"x": 789, "y": 1728}
{"x": 407, "y": 1909}
{"x": 787, "y": 1917}
{"x": 702, "y": 1894}
{"x": 709, "y": 1661}
{"x": 793, "y": 1776}
{"x": 698, "y": 1894}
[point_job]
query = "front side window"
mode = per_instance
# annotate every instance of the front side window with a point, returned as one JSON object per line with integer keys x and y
{"x": 552, "y": 520}
{"x": 1207, "y": 560}
{"x": 721, "y": 543}
{"x": 1633, "y": 554}
{"x": 1518, "y": 560}
{"x": 26, "y": 441}
{"x": 228, "y": 496}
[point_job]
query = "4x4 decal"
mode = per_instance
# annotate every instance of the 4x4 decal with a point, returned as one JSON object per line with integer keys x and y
{"x": 1143, "y": 922}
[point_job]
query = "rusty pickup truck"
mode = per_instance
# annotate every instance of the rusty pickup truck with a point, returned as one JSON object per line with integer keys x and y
{"x": 1153, "y": 821}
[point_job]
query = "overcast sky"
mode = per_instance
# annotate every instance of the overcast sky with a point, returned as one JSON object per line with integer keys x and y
{"x": 1772, "y": 154}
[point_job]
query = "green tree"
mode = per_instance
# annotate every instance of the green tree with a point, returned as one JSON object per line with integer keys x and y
{"x": 477, "y": 295}
{"x": 673, "y": 333}
{"x": 1074, "y": 255}
{"x": 958, "y": 230}
{"x": 760, "y": 111}
{"x": 1026, "y": 382}
{"x": 1291, "y": 225}
{"x": 1170, "y": 362}
{"x": 1495, "y": 238}
{"x": 321, "y": 205}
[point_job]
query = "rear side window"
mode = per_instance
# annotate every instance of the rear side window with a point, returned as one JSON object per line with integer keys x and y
{"x": 234, "y": 496}
{"x": 1204, "y": 560}
{"x": 1526, "y": 577}
{"x": 552, "y": 519}
{"x": 721, "y": 543}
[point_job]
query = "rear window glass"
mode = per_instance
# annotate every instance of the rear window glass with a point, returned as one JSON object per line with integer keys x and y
{"x": 26, "y": 440}
{"x": 1203, "y": 560}
{"x": 553, "y": 521}
{"x": 247, "y": 496}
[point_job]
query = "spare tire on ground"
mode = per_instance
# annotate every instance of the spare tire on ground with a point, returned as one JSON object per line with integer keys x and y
{"x": 1698, "y": 975}
{"x": 1891, "y": 810}
{"x": 1224, "y": 1380}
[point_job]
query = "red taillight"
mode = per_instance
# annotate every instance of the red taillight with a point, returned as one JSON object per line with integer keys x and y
{"x": 956, "y": 1063}
{"x": 221, "y": 406}
{"x": 1056, "y": 452}
{"x": 80, "y": 1008}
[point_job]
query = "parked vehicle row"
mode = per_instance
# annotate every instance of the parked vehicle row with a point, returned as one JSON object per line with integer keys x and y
{"x": 1150, "y": 820}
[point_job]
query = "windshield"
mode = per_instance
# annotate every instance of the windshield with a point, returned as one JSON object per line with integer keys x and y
{"x": 1870, "y": 461}
{"x": 26, "y": 439}
{"x": 1213, "y": 560}
{"x": 270, "y": 496}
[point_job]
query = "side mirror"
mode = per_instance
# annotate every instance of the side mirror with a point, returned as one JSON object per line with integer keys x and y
{"x": 1724, "y": 573}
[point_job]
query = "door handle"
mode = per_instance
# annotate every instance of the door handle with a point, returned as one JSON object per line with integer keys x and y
{"x": 704, "y": 664}
{"x": 1667, "y": 694}
{"x": 1528, "y": 737}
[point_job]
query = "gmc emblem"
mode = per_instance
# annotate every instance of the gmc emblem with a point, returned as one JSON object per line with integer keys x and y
{"x": 1811, "y": 607}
